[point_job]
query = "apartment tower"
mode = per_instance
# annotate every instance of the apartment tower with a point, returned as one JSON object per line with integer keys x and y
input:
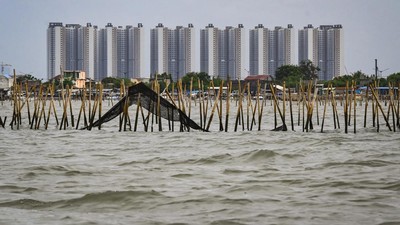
{"x": 324, "y": 47}
{"x": 55, "y": 49}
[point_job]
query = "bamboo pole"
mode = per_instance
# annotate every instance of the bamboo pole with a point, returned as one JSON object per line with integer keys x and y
{"x": 248, "y": 105}
{"x": 291, "y": 109}
{"x": 256, "y": 106}
{"x": 366, "y": 107}
{"x": 35, "y": 108}
{"x": 229, "y": 86}
{"x": 70, "y": 107}
{"x": 346, "y": 109}
{"x": 158, "y": 107}
{"x": 190, "y": 96}
{"x": 391, "y": 105}
{"x": 325, "y": 104}
{"x": 100, "y": 100}
{"x": 213, "y": 108}
{"x": 350, "y": 104}
{"x": 239, "y": 106}
{"x": 42, "y": 112}
{"x": 380, "y": 107}
{"x": 279, "y": 110}
{"x": 262, "y": 107}
{"x": 355, "y": 104}
{"x": 27, "y": 101}
{"x": 398, "y": 106}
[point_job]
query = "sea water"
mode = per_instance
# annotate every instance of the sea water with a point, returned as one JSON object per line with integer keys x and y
{"x": 246, "y": 177}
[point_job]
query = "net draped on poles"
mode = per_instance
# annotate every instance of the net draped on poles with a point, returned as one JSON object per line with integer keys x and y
{"x": 148, "y": 100}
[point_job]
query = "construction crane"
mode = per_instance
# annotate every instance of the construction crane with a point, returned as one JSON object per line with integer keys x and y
{"x": 3, "y": 65}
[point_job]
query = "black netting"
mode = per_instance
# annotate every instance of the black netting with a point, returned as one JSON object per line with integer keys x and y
{"x": 148, "y": 100}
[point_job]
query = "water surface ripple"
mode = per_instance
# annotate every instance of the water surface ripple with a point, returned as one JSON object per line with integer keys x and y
{"x": 259, "y": 177}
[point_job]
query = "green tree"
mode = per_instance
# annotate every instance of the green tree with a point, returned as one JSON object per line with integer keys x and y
{"x": 394, "y": 78}
{"x": 202, "y": 76}
{"x": 111, "y": 82}
{"x": 309, "y": 70}
{"x": 27, "y": 77}
{"x": 291, "y": 74}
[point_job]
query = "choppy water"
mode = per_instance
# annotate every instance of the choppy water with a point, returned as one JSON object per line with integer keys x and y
{"x": 258, "y": 177}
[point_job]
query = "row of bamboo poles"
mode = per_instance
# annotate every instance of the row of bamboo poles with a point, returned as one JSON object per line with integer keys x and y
{"x": 39, "y": 105}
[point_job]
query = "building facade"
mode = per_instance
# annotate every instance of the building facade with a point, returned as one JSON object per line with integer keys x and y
{"x": 87, "y": 50}
{"x": 223, "y": 52}
{"x": 172, "y": 51}
{"x": 324, "y": 47}
{"x": 55, "y": 49}
{"x": 270, "y": 49}
{"x": 107, "y": 52}
{"x": 258, "y": 51}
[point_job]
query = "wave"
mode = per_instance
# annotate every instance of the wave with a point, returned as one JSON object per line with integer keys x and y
{"x": 108, "y": 199}
{"x": 258, "y": 155}
{"x": 17, "y": 189}
{"x": 155, "y": 159}
{"x": 368, "y": 163}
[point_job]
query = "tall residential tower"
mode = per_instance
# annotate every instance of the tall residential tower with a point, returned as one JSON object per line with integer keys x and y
{"x": 223, "y": 52}
{"x": 55, "y": 49}
{"x": 270, "y": 49}
{"x": 172, "y": 51}
{"x": 324, "y": 47}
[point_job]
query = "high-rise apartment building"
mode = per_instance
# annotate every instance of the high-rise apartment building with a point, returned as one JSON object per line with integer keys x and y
{"x": 270, "y": 49}
{"x": 136, "y": 51}
{"x": 259, "y": 46}
{"x": 172, "y": 50}
{"x": 308, "y": 44}
{"x": 87, "y": 50}
{"x": 185, "y": 49}
{"x": 71, "y": 48}
{"x": 107, "y": 52}
{"x": 223, "y": 52}
{"x": 209, "y": 50}
{"x": 159, "y": 50}
{"x": 324, "y": 47}
{"x": 55, "y": 49}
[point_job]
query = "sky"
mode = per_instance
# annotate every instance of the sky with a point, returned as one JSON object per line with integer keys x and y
{"x": 371, "y": 27}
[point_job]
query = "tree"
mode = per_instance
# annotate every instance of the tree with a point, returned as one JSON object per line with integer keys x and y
{"x": 27, "y": 77}
{"x": 394, "y": 78}
{"x": 309, "y": 70}
{"x": 341, "y": 81}
{"x": 291, "y": 74}
{"x": 202, "y": 76}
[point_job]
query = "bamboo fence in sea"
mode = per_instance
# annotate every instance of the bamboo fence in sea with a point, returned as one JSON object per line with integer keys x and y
{"x": 39, "y": 108}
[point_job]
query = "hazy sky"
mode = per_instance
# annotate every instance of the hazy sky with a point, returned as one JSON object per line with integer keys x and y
{"x": 371, "y": 27}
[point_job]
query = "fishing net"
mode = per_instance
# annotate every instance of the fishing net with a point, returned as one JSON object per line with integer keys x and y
{"x": 148, "y": 99}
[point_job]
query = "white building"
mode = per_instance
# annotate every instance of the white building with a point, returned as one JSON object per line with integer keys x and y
{"x": 223, "y": 52}
{"x": 186, "y": 60}
{"x": 237, "y": 57}
{"x": 55, "y": 49}
{"x": 107, "y": 52}
{"x": 283, "y": 48}
{"x": 87, "y": 50}
{"x": 159, "y": 50}
{"x": 172, "y": 51}
{"x": 324, "y": 47}
{"x": 258, "y": 58}
{"x": 308, "y": 44}
{"x": 136, "y": 51}
{"x": 270, "y": 49}
{"x": 209, "y": 50}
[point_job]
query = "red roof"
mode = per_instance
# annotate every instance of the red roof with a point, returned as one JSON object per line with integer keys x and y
{"x": 258, "y": 77}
